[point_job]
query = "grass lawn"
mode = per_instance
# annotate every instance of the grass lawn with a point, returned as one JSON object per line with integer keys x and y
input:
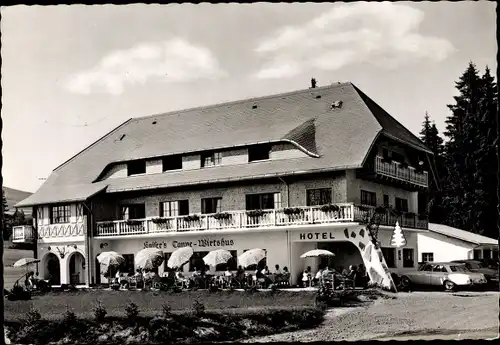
{"x": 54, "y": 304}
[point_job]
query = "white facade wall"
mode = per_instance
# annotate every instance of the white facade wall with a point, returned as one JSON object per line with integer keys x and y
{"x": 191, "y": 162}
{"x": 154, "y": 166}
{"x": 116, "y": 171}
{"x": 444, "y": 248}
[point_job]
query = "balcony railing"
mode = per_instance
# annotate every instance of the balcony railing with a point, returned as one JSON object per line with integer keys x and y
{"x": 406, "y": 219}
{"x": 240, "y": 219}
{"x": 23, "y": 233}
{"x": 61, "y": 231}
{"x": 394, "y": 170}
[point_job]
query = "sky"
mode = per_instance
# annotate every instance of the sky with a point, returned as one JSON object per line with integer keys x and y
{"x": 70, "y": 74}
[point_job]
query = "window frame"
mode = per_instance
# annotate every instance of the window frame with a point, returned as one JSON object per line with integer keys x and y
{"x": 215, "y": 159}
{"x": 66, "y": 213}
{"x": 321, "y": 191}
{"x": 218, "y": 205}
{"x": 402, "y": 202}
{"x": 393, "y": 250}
{"x": 166, "y": 160}
{"x": 372, "y": 197}
{"x": 428, "y": 254}
{"x": 405, "y": 261}
{"x": 178, "y": 208}
{"x": 276, "y": 198}
{"x": 129, "y": 207}
{"x": 131, "y": 164}
{"x": 259, "y": 149}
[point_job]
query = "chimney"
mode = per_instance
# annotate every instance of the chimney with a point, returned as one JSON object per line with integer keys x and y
{"x": 313, "y": 83}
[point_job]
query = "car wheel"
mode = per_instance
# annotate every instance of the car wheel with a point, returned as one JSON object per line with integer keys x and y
{"x": 405, "y": 281}
{"x": 449, "y": 285}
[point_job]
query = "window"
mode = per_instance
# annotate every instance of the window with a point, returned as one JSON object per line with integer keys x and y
{"x": 262, "y": 263}
{"x": 385, "y": 154}
{"x": 408, "y": 257}
{"x": 402, "y": 205}
{"x": 196, "y": 261}
{"x": 427, "y": 257}
{"x": 172, "y": 163}
{"x": 386, "y": 200}
{"x": 439, "y": 268}
{"x": 136, "y": 167}
{"x": 397, "y": 157}
{"x": 174, "y": 208}
{"x": 457, "y": 268}
{"x": 210, "y": 159}
{"x": 321, "y": 196}
{"x": 128, "y": 265}
{"x": 428, "y": 268}
{"x": 231, "y": 263}
{"x": 60, "y": 214}
{"x": 390, "y": 257}
{"x": 368, "y": 198}
{"x": 495, "y": 254}
{"x": 258, "y": 152}
{"x": 137, "y": 211}
{"x": 211, "y": 205}
{"x": 486, "y": 253}
{"x": 263, "y": 201}
{"x": 477, "y": 254}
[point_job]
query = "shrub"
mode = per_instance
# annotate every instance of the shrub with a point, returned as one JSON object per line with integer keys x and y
{"x": 69, "y": 317}
{"x": 166, "y": 311}
{"x": 32, "y": 316}
{"x": 99, "y": 312}
{"x": 132, "y": 310}
{"x": 198, "y": 308}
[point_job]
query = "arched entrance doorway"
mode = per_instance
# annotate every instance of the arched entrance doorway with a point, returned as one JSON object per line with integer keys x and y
{"x": 52, "y": 269}
{"x": 346, "y": 254}
{"x": 77, "y": 269}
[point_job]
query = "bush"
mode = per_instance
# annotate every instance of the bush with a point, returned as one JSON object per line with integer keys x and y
{"x": 132, "y": 310}
{"x": 198, "y": 308}
{"x": 69, "y": 317}
{"x": 32, "y": 316}
{"x": 166, "y": 311}
{"x": 99, "y": 312}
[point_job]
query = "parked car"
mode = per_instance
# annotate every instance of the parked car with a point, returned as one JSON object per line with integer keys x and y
{"x": 448, "y": 275}
{"x": 479, "y": 266}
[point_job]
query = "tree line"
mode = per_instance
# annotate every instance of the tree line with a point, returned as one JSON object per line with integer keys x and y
{"x": 465, "y": 158}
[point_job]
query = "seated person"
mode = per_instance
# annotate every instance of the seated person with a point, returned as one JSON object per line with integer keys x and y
{"x": 265, "y": 270}
{"x": 277, "y": 270}
{"x": 305, "y": 278}
{"x": 228, "y": 273}
{"x": 319, "y": 275}
{"x": 196, "y": 273}
{"x": 29, "y": 282}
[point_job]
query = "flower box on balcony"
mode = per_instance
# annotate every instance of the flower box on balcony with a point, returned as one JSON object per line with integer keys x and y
{"x": 410, "y": 215}
{"x": 107, "y": 224}
{"x": 162, "y": 223}
{"x": 192, "y": 218}
{"x": 255, "y": 213}
{"x": 291, "y": 211}
{"x": 223, "y": 216}
{"x": 330, "y": 208}
{"x": 133, "y": 222}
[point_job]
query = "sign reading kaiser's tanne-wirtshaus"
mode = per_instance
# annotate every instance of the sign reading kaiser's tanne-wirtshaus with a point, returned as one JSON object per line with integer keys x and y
{"x": 204, "y": 243}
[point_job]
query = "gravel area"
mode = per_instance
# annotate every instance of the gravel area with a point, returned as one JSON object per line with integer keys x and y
{"x": 464, "y": 315}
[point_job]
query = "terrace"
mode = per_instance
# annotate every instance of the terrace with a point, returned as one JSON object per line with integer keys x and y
{"x": 295, "y": 216}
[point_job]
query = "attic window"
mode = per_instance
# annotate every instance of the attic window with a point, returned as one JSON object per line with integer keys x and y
{"x": 136, "y": 167}
{"x": 172, "y": 163}
{"x": 337, "y": 104}
{"x": 258, "y": 152}
{"x": 254, "y": 106}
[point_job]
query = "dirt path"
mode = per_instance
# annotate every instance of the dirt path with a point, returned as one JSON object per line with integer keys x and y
{"x": 416, "y": 315}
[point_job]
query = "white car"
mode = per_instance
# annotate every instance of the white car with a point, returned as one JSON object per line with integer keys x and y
{"x": 449, "y": 275}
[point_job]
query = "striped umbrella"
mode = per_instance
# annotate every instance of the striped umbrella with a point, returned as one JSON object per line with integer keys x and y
{"x": 217, "y": 257}
{"x": 149, "y": 258}
{"x": 179, "y": 257}
{"x": 251, "y": 257}
{"x": 109, "y": 259}
{"x": 317, "y": 252}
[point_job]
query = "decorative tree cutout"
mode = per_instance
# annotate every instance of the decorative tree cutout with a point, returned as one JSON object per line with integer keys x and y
{"x": 398, "y": 239}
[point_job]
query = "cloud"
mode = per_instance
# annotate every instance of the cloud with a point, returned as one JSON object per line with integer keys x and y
{"x": 170, "y": 61}
{"x": 382, "y": 34}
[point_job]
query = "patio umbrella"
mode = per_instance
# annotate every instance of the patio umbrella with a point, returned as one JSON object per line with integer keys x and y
{"x": 317, "y": 252}
{"x": 217, "y": 257}
{"x": 251, "y": 257}
{"x": 179, "y": 257}
{"x": 109, "y": 259}
{"x": 149, "y": 258}
{"x": 25, "y": 262}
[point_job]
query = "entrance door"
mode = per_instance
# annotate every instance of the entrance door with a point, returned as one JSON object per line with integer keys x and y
{"x": 77, "y": 269}
{"x": 52, "y": 270}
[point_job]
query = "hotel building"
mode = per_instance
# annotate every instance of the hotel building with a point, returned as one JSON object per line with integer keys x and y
{"x": 286, "y": 173}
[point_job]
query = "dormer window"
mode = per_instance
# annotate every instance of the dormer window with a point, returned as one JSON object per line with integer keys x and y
{"x": 258, "y": 152}
{"x": 136, "y": 167}
{"x": 172, "y": 163}
{"x": 210, "y": 159}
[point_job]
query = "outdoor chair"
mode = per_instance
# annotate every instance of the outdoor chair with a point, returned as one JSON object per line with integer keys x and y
{"x": 132, "y": 283}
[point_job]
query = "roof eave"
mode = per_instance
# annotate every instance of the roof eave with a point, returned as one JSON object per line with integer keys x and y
{"x": 66, "y": 200}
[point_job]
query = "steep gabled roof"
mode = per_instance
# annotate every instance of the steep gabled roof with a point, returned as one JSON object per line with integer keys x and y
{"x": 333, "y": 138}
{"x": 462, "y": 234}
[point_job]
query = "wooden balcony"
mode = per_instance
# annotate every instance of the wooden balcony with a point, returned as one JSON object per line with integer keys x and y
{"x": 406, "y": 219}
{"x": 394, "y": 170}
{"x": 295, "y": 216}
{"x": 62, "y": 232}
{"x": 23, "y": 234}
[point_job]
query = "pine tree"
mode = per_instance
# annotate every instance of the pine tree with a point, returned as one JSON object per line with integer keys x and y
{"x": 4, "y": 201}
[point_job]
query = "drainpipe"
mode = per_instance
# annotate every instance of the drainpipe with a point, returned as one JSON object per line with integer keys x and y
{"x": 88, "y": 237}
{"x": 35, "y": 234}
{"x": 288, "y": 244}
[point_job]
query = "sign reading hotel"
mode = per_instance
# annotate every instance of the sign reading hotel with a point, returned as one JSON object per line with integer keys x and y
{"x": 315, "y": 236}
{"x": 203, "y": 243}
